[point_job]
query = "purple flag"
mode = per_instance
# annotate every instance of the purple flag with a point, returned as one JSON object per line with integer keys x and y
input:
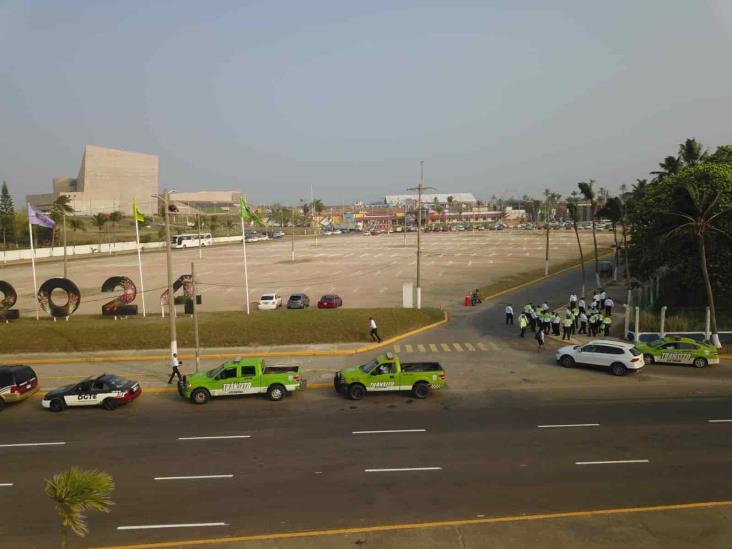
{"x": 39, "y": 218}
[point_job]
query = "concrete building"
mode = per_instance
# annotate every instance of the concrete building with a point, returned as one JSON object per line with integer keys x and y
{"x": 430, "y": 199}
{"x": 108, "y": 180}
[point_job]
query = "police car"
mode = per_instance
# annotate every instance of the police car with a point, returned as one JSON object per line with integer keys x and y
{"x": 679, "y": 350}
{"x": 107, "y": 391}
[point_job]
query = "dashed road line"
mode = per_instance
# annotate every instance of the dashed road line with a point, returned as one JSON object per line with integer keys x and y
{"x": 433, "y": 347}
{"x": 25, "y": 444}
{"x": 389, "y": 431}
{"x": 612, "y": 462}
{"x": 559, "y": 426}
{"x": 221, "y": 437}
{"x": 157, "y": 526}
{"x": 458, "y": 347}
{"x": 445, "y": 347}
{"x": 6, "y": 484}
{"x": 194, "y": 477}
{"x": 469, "y": 347}
{"x": 402, "y": 469}
{"x": 719, "y": 420}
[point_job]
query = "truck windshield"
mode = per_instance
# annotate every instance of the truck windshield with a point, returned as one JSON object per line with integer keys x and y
{"x": 215, "y": 371}
{"x": 366, "y": 368}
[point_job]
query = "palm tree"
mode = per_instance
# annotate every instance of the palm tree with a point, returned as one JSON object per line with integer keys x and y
{"x": 547, "y": 194}
{"x": 99, "y": 220}
{"x": 671, "y": 165}
{"x": 115, "y": 217}
{"x": 625, "y": 196}
{"x": 77, "y": 224}
{"x": 588, "y": 192}
{"x": 691, "y": 152}
{"x": 60, "y": 208}
{"x": 572, "y": 209}
{"x": 75, "y": 492}
{"x": 613, "y": 210}
{"x": 699, "y": 221}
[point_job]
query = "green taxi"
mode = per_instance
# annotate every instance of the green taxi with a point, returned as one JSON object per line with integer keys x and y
{"x": 679, "y": 350}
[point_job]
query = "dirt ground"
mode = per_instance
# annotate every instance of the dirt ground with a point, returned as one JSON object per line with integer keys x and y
{"x": 366, "y": 271}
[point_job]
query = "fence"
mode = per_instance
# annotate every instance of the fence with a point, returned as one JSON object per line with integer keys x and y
{"x": 647, "y": 323}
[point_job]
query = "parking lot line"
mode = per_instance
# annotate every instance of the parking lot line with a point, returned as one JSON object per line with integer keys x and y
{"x": 397, "y": 348}
{"x": 156, "y": 526}
{"x": 408, "y": 348}
{"x": 421, "y": 348}
{"x": 445, "y": 347}
{"x": 482, "y": 346}
{"x": 469, "y": 347}
{"x": 458, "y": 347}
{"x": 433, "y": 347}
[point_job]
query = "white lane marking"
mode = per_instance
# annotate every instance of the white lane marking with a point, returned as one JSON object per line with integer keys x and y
{"x": 568, "y": 425}
{"x": 6, "y": 484}
{"x": 153, "y": 526}
{"x": 402, "y": 470}
{"x": 32, "y": 444}
{"x": 194, "y": 477}
{"x": 612, "y": 462}
{"x": 719, "y": 420}
{"x": 389, "y": 431}
{"x": 215, "y": 437}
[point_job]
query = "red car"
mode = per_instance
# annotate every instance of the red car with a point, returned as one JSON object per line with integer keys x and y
{"x": 330, "y": 301}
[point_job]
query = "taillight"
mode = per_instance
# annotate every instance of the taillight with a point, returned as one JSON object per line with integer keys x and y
{"x": 15, "y": 389}
{"x": 296, "y": 378}
{"x": 442, "y": 376}
{"x": 636, "y": 359}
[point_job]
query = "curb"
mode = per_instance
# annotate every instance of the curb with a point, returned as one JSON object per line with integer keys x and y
{"x": 162, "y": 358}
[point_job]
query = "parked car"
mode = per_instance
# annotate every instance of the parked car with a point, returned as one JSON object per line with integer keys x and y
{"x": 298, "y": 301}
{"x": 270, "y": 301}
{"x": 617, "y": 356}
{"x": 107, "y": 391}
{"x": 17, "y": 383}
{"x": 679, "y": 350}
{"x": 330, "y": 301}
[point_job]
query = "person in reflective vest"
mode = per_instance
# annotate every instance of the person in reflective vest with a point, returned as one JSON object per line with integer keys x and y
{"x": 523, "y": 323}
{"x": 556, "y": 321}
{"x": 567, "y": 333}
{"x": 607, "y": 322}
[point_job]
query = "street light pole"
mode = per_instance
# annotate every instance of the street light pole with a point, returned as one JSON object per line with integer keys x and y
{"x": 66, "y": 270}
{"x": 420, "y": 189}
{"x": 195, "y": 317}
{"x": 293, "y": 234}
{"x": 171, "y": 297}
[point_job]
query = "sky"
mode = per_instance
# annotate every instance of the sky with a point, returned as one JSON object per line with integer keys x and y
{"x": 500, "y": 98}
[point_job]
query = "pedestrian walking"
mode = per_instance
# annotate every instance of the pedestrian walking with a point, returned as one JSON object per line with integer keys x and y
{"x": 540, "y": 340}
{"x": 523, "y": 322}
{"x": 175, "y": 371}
{"x": 373, "y": 330}
{"x": 609, "y": 303}
{"x": 581, "y": 304}
{"x": 533, "y": 318}
{"x": 509, "y": 315}
{"x": 583, "y": 323}
{"x": 567, "y": 333}
{"x": 572, "y": 300}
{"x": 556, "y": 322}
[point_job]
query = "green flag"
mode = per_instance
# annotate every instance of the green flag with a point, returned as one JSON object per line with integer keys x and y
{"x": 136, "y": 214}
{"x": 247, "y": 214}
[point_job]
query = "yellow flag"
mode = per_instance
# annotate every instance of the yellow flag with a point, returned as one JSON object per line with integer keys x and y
{"x": 136, "y": 212}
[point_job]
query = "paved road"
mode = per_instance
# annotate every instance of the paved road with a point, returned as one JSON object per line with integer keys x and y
{"x": 303, "y": 467}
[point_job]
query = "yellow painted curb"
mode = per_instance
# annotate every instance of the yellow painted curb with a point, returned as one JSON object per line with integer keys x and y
{"x": 163, "y": 358}
{"x": 421, "y": 525}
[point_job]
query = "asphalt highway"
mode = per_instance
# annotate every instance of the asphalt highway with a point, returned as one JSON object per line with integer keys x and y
{"x": 305, "y": 464}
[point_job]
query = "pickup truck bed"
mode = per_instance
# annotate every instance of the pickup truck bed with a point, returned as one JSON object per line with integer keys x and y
{"x": 421, "y": 367}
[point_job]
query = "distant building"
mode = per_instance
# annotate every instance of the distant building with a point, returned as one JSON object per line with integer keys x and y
{"x": 206, "y": 201}
{"x": 108, "y": 180}
{"x": 430, "y": 198}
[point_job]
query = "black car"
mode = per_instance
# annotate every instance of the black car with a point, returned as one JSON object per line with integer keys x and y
{"x": 107, "y": 391}
{"x": 298, "y": 301}
{"x": 17, "y": 383}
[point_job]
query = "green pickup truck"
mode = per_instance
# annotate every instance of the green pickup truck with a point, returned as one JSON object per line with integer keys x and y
{"x": 388, "y": 373}
{"x": 249, "y": 376}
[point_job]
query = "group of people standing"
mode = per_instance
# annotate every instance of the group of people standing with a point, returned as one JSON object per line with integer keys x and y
{"x": 578, "y": 317}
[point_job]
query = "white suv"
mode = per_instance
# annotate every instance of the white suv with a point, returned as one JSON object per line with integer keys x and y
{"x": 617, "y": 356}
{"x": 270, "y": 301}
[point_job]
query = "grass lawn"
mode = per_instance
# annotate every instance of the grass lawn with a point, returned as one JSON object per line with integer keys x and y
{"x": 217, "y": 329}
{"x": 510, "y": 281}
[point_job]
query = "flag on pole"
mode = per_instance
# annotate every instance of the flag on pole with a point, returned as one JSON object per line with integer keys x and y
{"x": 248, "y": 214}
{"x": 136, "y": 213}
{"x": 39, "y": 218}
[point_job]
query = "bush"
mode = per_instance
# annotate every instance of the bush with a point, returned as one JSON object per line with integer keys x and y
{"x": 677, "y": 323}
{"x": 145, "y": 238}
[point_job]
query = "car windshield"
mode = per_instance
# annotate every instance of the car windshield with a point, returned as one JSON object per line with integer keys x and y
{"x": 656, "y": 343}
{"x": 634, "y": 351}
{"x": 366, "y": 368}
{"x": 267, "y": 297}
{"x": 295, "y": 298}
{"x": 215, "y": 371}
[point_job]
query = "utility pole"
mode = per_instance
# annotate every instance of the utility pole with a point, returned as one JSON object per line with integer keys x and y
{"x": 293, "y": 234}
{"x": 195, "y": 316}
{"x": 420, "y": 189}
{"x": 405, "y": 224}
{"x": 200, "y": 237}
{"x": 66, "y": 270}
{"x": 312, "y": 215}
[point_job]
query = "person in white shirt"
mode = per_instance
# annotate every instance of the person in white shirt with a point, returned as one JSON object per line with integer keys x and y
{"x": 609, "y": 306}
{"x": 572, "y": 300}
{"x": 373, "y": 330}
{"x": 509, "y": 315}
{"x": 581, "y": 305}
{"x": 583, "y": 323}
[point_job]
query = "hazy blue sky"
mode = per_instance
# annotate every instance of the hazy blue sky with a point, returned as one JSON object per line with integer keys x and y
{"x": 497, "y": 97}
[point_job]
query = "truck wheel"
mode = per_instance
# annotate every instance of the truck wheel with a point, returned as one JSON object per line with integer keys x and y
{"x": 618, "y": 369}
{"x": 567, "y": 361}
{"x": 648, "y": 359}
{"x": 109, "y": 404}
{"x": 56, "y": 405}
{"x": 276, "y": 392}
{"x": 356, "y": 391}
{"x": 700, "y": 362}
{"x": 420, "y": 390}
{"x": 200, "y": 396}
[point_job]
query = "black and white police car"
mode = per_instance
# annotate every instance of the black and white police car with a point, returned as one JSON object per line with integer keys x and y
{"x": 107, "y": 391}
